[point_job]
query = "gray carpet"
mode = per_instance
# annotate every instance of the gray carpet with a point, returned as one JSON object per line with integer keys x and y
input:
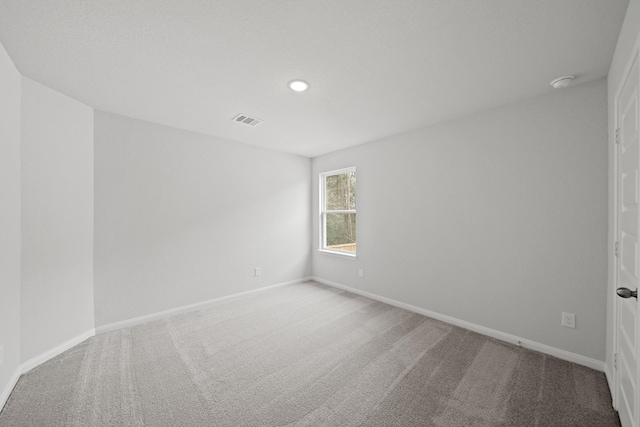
{"x": 305, "y": 355}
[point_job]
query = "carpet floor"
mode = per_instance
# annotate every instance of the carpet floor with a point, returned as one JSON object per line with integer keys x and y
{"x": 305, "y": 355}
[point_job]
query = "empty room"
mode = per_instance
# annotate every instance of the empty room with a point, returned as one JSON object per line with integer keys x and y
{"x": 319, "y": 213}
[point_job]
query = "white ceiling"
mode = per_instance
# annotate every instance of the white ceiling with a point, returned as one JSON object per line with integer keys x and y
{"x": 376, "y": 67}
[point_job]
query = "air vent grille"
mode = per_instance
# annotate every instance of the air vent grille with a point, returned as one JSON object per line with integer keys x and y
{"x": 247, "y": 120}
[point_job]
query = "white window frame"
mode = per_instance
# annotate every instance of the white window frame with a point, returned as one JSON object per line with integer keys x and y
{"x": 323, "y": 212}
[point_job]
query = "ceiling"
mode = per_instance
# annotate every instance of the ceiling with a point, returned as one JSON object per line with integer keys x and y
{"x": 376, "y": 67}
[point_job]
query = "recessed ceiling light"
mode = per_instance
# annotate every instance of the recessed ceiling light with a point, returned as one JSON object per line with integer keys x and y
{"x": 562, "y": 82}
{"x": 298, "y": 85}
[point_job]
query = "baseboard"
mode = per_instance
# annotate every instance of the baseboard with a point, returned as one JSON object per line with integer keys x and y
{"x": 9, "y": 388}
{"x": 50, "y": 354}
{"x": 40, "y": 359}
{"x": 532, "y": 345}
{"x": 186, "y": 308}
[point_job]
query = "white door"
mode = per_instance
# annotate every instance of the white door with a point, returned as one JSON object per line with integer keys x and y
{"x": 628, "y": 218}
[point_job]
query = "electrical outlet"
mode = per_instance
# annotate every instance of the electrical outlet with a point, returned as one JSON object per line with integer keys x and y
{"x": 360, "y": 272}
{"x": 256, "y": 271}
{"x": 569, "y": 320}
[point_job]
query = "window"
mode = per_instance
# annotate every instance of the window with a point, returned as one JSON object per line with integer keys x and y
{"x": 338, "y": 211}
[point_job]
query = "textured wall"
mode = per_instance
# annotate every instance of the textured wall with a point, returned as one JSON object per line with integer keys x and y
{"x": 498, "y": 218}
{"x": 9, "y": 218}
{"x": 57, "y": 219}
{"x": 182, "y": 218}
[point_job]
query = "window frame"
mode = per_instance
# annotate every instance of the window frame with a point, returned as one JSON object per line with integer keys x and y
{"x": 323, "y": 214}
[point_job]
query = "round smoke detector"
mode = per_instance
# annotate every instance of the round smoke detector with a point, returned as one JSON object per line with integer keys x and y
{"x": 562, "y": 82}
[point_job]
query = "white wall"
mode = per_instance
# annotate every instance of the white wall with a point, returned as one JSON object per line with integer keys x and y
{"x": 182, "y": 218}
{"x": 628, "y": 44}
{"x": 9, "y": 221}
{"x": 57, "y": 219}
{"x": 498, "y": 219}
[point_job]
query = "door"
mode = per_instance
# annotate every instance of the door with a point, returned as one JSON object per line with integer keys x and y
{"x": 628, "y": 218}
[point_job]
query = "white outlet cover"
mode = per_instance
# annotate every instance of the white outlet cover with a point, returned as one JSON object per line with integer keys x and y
{"x": 569, "y": 320}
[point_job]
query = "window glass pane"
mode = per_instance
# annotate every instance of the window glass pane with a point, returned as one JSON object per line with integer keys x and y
{"x": 341, "y": 231}
{"x": 341, "y": 192}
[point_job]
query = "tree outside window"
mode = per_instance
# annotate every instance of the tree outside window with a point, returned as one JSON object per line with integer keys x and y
{"x": 338, "y": 211}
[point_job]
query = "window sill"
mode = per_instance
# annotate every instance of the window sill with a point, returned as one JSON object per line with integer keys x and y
{"x": 338, "y": 254}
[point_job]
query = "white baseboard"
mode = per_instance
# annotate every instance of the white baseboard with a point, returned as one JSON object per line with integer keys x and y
{"x": 50, "y": 354}
{"x": 9, "y": 387}
{"x": 532, "y": 345}
{"x": 186, "y": 308}
{"x": 556, "y": 352}
{"x": 40, "y": 359}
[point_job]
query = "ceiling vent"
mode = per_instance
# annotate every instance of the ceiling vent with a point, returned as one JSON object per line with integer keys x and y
{"x": 247, "y": 120}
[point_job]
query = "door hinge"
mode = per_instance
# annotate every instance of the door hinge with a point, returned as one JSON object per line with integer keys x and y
{"x": 618, "y": 136}
{"x": 616, "y": 249}
{"x": 615, "y": 360}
